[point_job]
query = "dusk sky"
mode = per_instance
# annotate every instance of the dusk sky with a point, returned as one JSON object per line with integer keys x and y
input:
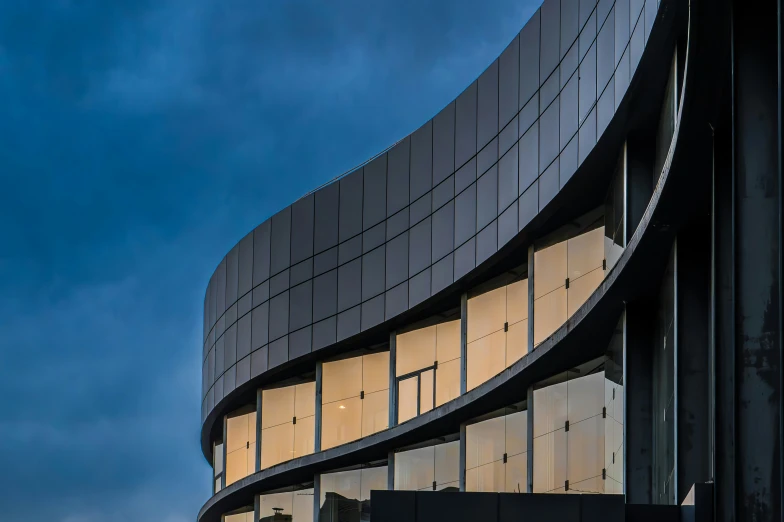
{"x": 139, "y": 141}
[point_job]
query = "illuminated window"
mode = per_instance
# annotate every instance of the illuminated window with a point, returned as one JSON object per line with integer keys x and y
{"x": 217, "y": 465}
{"x": 345, "y": 495}
{"x": 240, "y": 444}
{"x": 288, "y": 506}
{"x": 288, "y": 423}
{"x": 241, "y": 515}
{"x": 497, "y": 454}
{"x": 433, "y": 468}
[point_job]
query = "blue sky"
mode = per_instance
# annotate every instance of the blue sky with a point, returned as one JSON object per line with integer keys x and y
{"x": 139, "y": 141}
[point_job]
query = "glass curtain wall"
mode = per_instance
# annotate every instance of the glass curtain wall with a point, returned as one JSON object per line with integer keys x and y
{"x": 565, "y": 275}
{"x": 578, "y": 430}
{"x": 664, "y": 391}
{"x": 497, "y": 454}
{"x": 288, "y": 506}
{"x": 497, "y": 331}
{"x": 217, "y": 465}
{"x": 427, "y": 368}
{"x": 345, "y": 495}
{"x": 240, "y": 444}
{"x": 241, "y": 515}
{"x": 354, "y": 398}
{"x": 432, "y": 468}
{"x": 288, "y": 423}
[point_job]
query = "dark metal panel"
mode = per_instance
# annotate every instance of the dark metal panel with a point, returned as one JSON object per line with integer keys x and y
{"x": 397, "y": 176}
{"x": 569, "y": 24}
{"x": 245, "y": 278}
{"x": 528, "y": 157}
{"x": 569, "y": 65}
{"x": 528, "y": 115}
{"x": 587, "y": 136}
{"x": 302, "y": 213}
{"x": 350, "y": 205}
{"x": 301, "y": 272}
{"x": 325, "y": 295}
{"x": 549, "y": 91}
{"x": 221, "y": 289}
{"x": 279, "y": 282}
{"x": 444, "y": 192}
{"x": 507, "y": 179}
{"x": 301, "y": 305}
{"x": 442, "y": 274}
{"x": 325, "y": 261}
{"x": 586, "y": 9}
{"x": 444, "y": 143}
{"x": 548, "y": 184}
{"x": 465, "y": 258}
{"x": 443, "y": 231}
{"x": 259, "y": 326}
{"x": 605, "y": 108}
{"x": 373, "y": 273}
{"x": 588, "y": 33}
{"x": 372, "y": 312}
{"x": 258, "y": 364}
{"x": 232, "y": 275}
{"x": 374, "y": 237}
{"x": 465, "y": 125}
{"x": 508, "y": 137}
{"x": 487, "y": 105}
{"x": 421, "y": 179}
{"x": 280, "y": 242}
{"x": 349, "y": 250}
{"x": 419, "y": 247}
{"x": 419, "y": 288}
{"x": 374, "y": 209}
{"x": 549, "y": 52}
{"x": 486, "y": 198}
{"x": 348, "y": 323}
{"x": 587, "y": 82}
{"x": 465, "y": 215}
{"x": 278, "y": 352}
{"x": 621, "y": 27}
{"x": 326, "y": 222}
{"x": 605, "y": 52}
{"x": 300, "y": 342}
{"x": 324, "y": 333}
{"x": 465, "y": 176}
{"x": 421, "y": 208}
{"x": 244, "y": 328}
{"x": 507, "y": 224}
{"x": 529, "y": 59}
{"x": 528, "y": 205}
{"x": 548, "y": 135}
{"x": 397, "y": 223}
{"x": 568, "y": 108}
{"x": 508, "y": 82}
{"x": 260, "y": 294}
{"x": 437, "y": 505}
{"x": 230, "y": 347}
{"x": 622, "y": 78}
{"x": 396, "y": 300}
{"x": 279, "y": 316}
{"x": 349, "y": 284}
{"x": 487, "y": 157}
{"x": 568, "y": 162}
{"x": 487, "y": 242}
{"x": 397, "y": 260}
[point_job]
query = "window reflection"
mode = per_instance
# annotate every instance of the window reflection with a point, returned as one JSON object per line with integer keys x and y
{"x": 240, "y": 444}
{"x": 615, "y": 214}
{"x": 287, "y": 423}
{"x": 345, "y": 495}
{"x": 287, "y": 506}
{"x": 241, "y": 515}
{"x": 428, "y": 368}
{"x": 565, "y": 275}
{"x": 354, "y": 398}
{"x": 666, "y": 120}
{"x": 578, "y": 428}
{"x": 432, "y": 468}
{"x": 497, "y": 454}
{"x": 497, "y": 331}
{"x": 217, "y": 465}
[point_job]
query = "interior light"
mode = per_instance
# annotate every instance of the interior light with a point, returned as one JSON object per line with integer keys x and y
{"x": 341, "y": 407}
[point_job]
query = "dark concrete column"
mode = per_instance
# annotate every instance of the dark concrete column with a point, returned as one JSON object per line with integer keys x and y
{"x": 392, "y": 379}
{"x": 638, "y": 387}
{"x": 463, "y": 344}
{"x": 258, "y": 428}
{"x": 639, "y": 181}
{"x": 317, "y": 443}
{"x": 747, "y": 265}
{"x": 530, "y": 439}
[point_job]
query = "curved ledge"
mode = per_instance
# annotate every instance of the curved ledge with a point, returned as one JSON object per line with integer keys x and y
{"x": 596, "y": 318}
{"x": 588, "y": 178}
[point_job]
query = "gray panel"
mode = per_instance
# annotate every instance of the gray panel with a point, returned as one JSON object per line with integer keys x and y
{"x": 651, "y": 8}
{"x": 586, "y": 9}
{"x": 528, "y": 206}
{"x": 220, "y": 356}
{"x": 349, "y": 250}
{"x": 605, "y": 108}
{"x": 419, "y": 288}
{"x": 211, "y": 366}
{"x": 442, "y": 273}
{"x": 486, "y": 198}
{"x": 444, "y": 192}
{"x": 373, "y": 273}
{"x": 487, "y": 157}
{"x": 350, "y": 205}
{"x": 232, "y": 274}
{"x": 279, "y": 283}
{"x": 278, "y": 352}
{"x": 325, "y": 295}
{"x": 568, "y": 102}
{"x": 244, "y": 334}
{"x": 397, "y": 182}
{"x": 419, "y": 247}
{"x": 603, "y": 10}
{"x": 635, "y": 10}
{"x": 587, "y": 35}
{"x": 301, "y": 272}
{"x": 587, "y": 83}
{"x": 300, "y": 343}
{"x": 421, "y": 179}
{"x": 348, "y": 323}
{"x": 324, "y": 261}
{"x": 230, "y": 380}
{"x": 621, "y": 28}
{"x": 374, "y": 237}
{"x": 465, "y": 176}
{"x": 258, "y": 363}
{"x": 465, "y": 259}
{"x": 245, "y": 279}
{"x": 231, "y": 314}
{"x": 465, "y": 215}
{"x": 487, "y": 106}
{"x": 548, "y": 135}
{"x": 326, "y": 226}
{"x": 444, "y": 144}
{"x": 396, "y": 300}
{"x": 443, "y": 231}
{"x": 507, "y": 225}
{"x": 508, "y": 78}
{"x": 528, "y": 154}
{"x": 548, "y": 184}
{"x": 529, "y": 59}
{"x": 301, "y": 305}
{"x": 549, "y": 52}
{"x": 279, "y": 316}
{"x": 280, "y": 243}
{"x": 507, "y": 137}
{"x": 587, "y": 136}
{"x": 569, "y": 24}
{"x": 622, "y": 78}
{"x": 372, "y": 312}
{"x": 211, "y": 295}
{"x": 221, "y": 288}
{"x": 568, "y": 65}
{"x": 349, "y": 284}
{"x": 397, "y": 223}
{"x": 260, "y": 294}
{"x": 636, "y": 46}
{"x": 528, "y": 115}
{"x": 230, "y": 347}
{"x": 421, "y": 208}
{"x": 487, "y": 242}
{"x": 605, "y": 52}
{"x": 397, "y": 261}
{"x": 374, "y": 210}
{"x": 568, "y": 161}
{"x": 324, "y": 333}
{"x": 245, "y": 303}
{"x": 302, "y": 229}
{"x": 507, "y": 179}
{"x": 465, "y": 125}
{"x": 259, "y": 327}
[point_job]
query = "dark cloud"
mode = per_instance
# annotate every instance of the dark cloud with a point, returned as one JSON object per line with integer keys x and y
{"x": 138, "y": 142}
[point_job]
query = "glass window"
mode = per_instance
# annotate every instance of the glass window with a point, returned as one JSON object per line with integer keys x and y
{"x": 217, "y": 465}
{"x": 614, "y": 214}
{"x": 288, "y": 506}
{"x": 497, "y": 331}
{"x": 241, "y": 515}
{"x": 345, "y": 495}
{"x": 578, "y": 428}
{"x": 355, "y": 398}
{"x": 428, "y": 366}
{"x": 288, "y": 416}
{"x": 240, "y": 444}
{"x": 666, "y": 121}
{"x": 433, "y": 468}
{"x": 497, "y": 454}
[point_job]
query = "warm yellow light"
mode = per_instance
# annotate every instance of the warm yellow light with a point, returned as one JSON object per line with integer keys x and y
{"x": 341, "y": 407}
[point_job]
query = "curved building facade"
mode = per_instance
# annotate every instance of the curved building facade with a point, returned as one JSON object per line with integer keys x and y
{"x": 523, "y": 296}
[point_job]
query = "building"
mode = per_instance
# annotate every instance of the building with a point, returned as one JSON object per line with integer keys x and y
{"x": 567, "y": 281}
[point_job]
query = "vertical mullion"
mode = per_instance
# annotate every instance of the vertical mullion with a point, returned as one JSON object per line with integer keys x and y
{"x": 530, "y": 438}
